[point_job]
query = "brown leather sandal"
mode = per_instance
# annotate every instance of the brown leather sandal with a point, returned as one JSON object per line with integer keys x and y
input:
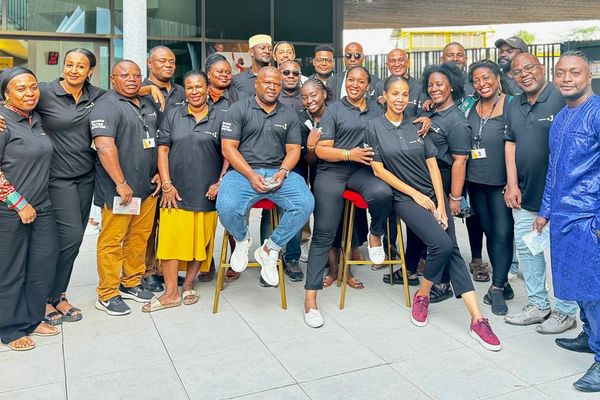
{"x": 480, "y": 272}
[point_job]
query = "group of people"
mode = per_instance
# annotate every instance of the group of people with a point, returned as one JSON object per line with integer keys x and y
{"x": 495, "y": 143}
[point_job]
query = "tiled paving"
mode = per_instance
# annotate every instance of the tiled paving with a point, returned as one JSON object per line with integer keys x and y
{"x": 252, "y": 349}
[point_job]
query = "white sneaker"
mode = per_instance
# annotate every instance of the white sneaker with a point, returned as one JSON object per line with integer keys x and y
{"x": 304, "y": 251}
{"x": 313, "y": 318}
{"x": 239, "y": 257}
{"x": 376, "y": 254}
{"x": 268, "y": 263}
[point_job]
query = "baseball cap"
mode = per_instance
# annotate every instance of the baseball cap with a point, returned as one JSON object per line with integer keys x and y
{"x": 514, "y": 42}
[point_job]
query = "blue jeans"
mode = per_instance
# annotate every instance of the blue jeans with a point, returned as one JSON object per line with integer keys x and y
{"x": 292, "y": 250}
{"x": 589, "y": 311}
{"x": 534, "y": 267}
{"x": 236, "y": 198}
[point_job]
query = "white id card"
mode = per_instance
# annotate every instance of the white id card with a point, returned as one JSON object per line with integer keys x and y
{"x": 149, "y": 143}
{"x": 133, "y": 208}
{"x": 477, "y": 154}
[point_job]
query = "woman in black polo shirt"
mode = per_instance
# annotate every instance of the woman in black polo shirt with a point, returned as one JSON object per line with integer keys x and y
{"x": 344, "y": 164}
{"x": 486, "y": 174}
{"x": 190, "y": 167}
{"x": 28, "y": 235}
{"x": 408, "y": 164}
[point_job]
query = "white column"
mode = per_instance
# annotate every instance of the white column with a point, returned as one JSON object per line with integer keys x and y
{"x": 135, "y": 32}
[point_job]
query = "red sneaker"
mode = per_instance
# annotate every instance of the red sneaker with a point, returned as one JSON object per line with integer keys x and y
{"x": 418, "y": 315}
{"x": 483, "y": 333}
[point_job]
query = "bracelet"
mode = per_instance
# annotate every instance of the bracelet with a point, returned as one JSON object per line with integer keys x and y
{"x": 346, "y": 155}
{"x": 311, "y": 148}
{"x": 455, "y": 198}
{"x": 121, "y": 185}
{"x": 168, "y": 190}
{"x": 287, "y": 171}
{"x": 165, "y": 182}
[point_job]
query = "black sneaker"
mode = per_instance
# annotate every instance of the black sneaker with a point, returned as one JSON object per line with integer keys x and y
{"x": 264, "y": 283}
{"x": 153, "y": 283}
{"x": 440, "y": 292}
{"x": 293, "y": 271}
{"x": 137, "y": 293}
{"x": 508, "y": 292}
{"x": 398, "y": 278}
{"x": 114, "y": 306}
{"x": 495, "y": 298}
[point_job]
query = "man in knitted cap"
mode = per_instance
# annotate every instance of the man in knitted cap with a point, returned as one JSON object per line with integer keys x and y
{"x": 260, "y": 49}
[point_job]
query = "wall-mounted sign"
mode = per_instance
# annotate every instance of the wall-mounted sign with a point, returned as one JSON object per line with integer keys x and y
{"x": 53, "y": 58}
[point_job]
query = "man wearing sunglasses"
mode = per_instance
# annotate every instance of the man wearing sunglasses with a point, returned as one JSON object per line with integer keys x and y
{"x": 508, "y": 49}
{"x": 290, "y": 87}
{"x": 285, "y": 51}
{"x": 353, "y": 57}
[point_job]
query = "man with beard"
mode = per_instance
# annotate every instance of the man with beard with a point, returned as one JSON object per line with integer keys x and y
{"x": 260, "y": 49}
{"x": 507, "y": 51}
{"x": 570, "y": 201}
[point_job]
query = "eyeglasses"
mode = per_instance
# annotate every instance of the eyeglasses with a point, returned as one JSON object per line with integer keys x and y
{"x": 526, "y": 70}
{"x": 287, "y": 72}
{"x": 350, "y": 55}
{"x": 324, "y": 60}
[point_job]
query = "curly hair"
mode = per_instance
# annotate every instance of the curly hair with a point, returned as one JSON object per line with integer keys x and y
{"x": 454, "y": 75}
{"x": 489, "y": 64}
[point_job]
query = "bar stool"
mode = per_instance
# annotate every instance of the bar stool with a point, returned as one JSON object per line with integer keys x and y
{"x": 353, "y": 200}
{"x": 262, "y": 204}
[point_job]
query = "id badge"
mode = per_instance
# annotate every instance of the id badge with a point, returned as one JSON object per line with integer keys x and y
{"x": 149, "y": 143}
{"x": 477, "y": 154}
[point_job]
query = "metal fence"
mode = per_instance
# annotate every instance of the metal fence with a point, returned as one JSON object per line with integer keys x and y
{"x": 547, "y": 53}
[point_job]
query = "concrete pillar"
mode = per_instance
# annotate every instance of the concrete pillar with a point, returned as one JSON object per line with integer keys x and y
{"x": 135, "y": 33}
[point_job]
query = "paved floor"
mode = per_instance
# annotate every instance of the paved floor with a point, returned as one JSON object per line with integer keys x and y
{"x": 252, "y": 349}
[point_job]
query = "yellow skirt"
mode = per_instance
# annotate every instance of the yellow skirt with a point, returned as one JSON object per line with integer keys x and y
{"x": 187, "y": 236}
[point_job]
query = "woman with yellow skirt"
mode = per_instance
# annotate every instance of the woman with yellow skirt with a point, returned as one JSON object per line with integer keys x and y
{"x": 190, "y": 166}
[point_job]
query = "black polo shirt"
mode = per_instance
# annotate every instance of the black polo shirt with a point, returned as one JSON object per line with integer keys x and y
{"x": 67, "y": 124}
{"x": 291, "y": 99}
{"x": 244, "y": 82}
{"x": 116, "y": 116}
{"x": 509, "y": 85}
{"x": 345, "y": 124}
{"x": 262, "y": 136}
{"x": 416, "y": 96}
{"x": 226, "y": 100}
{"x": 403, "y": 153}
{"x": 492, "y": 169}
{"x": 195, "y": 155}
{"x": 173, "y": 98}
{"x": 451, "y": 134}
{"x": 528, "y": 126}
{"x": 25, "y": 157}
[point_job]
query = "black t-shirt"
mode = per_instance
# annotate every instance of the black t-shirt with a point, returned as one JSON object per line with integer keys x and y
{"x": 244, "y": 82}
{"x": 292, "y": 100}
{"x": 262, "y": 136}
{"x": 67, "y": 124}
{"x": 451, "y": 134}
{"x": 416, "y": 97}
{"x": 345, "y": 124}
{"x": 490, "y": 170}
{"x": 226, "y": 99}
{"x": 25, "y": 157}
{"x": 403, "y": 153}
{"x": 528, "y": 126}
{"x": 116, "y": 116}
{"x": 173, "y": 98}
{"x": 509, "y": 85}
{"x": 195, "y": 155}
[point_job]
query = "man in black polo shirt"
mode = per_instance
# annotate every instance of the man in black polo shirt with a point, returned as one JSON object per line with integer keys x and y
{"x": 290, "y": 86}
{"x": 529, "y": 118}
{"x": 324, "y": 62}
{"x": 261, "y": 140}
{"x": 260, "y": 50}
{"x": 508, "y": 49}
{"x": 124, "y": 126}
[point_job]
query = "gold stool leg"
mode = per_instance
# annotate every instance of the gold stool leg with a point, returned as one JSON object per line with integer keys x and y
{"x": 221, "y": 275}
{"x": 389, "y": 244}
{"x": 341, "y": 251}
{"x": 347, "y": 260}
{"x": 403, "y": 264}
{"x": 274, "y": 224}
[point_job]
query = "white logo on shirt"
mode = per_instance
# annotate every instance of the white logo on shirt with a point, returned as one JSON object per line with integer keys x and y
{"x": 549, "y": 119}
{"x": 97, "y": 124}
{"x": 152, "y": 115}
{"x": 284, "y": 126}
{"x": 91, "y": 105}
{"x": 226, "y": 126}
{"x": 213, "y": 134}
{"x": 436, "y": 129}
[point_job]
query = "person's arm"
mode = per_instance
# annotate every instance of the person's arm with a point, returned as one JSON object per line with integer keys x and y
{"x": 458, "y": 172}
{"x": 109, "y": 158}
{"x": 292, "y": 155}
{"x": 311, "y": 145}
{"x": 170, "y": 195}
{"x": 213, "y": 190}
{"x": 236, "y": 160}
{"x": 545, "y": 208}
{"x": 15, "y": 201}
{"x": 438, "y": 188}
{"x": 512, "y": 194}
{"x": 156, "y": 94}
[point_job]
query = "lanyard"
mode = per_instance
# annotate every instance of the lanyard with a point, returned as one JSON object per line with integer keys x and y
{"x": 483, "y": 122}
{"x": 144, "y": 123}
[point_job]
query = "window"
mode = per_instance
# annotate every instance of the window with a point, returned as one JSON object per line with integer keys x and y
{"x": 304, "y": 21}
{"x": 237, "y": 19}
{"x": 168, "y": 18}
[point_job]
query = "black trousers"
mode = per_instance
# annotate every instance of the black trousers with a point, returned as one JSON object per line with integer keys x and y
{"x": 28, "y": 255}
{"x": 330, "y": 183}
{"x": 443, "y": 253}
{"x": 71, "y": 199}
{"x": 497, "y": 223}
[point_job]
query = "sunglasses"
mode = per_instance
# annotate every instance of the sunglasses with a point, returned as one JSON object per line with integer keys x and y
{"x": 350, "y": 55}
{"x": 287, "y": 72}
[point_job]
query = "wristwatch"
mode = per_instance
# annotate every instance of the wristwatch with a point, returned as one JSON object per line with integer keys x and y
{"x": 287, "y": 171}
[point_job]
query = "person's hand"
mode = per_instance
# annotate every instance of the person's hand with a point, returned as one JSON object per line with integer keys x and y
{"x": 454, "y": 206}
{"x": 2, "y": 123}
{"x": 156, "y": 181}
{"x": 381, "y": 100}
{"x": 170, "y": 198}
{"x": 27, "y": 214}
{"x": 424, "y": 201}
{"x": 279, "y": 177}
{"x": 539, "y": 224}
{"x": 158, "y": 97}
{"x": 428, "y": 105}
{"x": 442, "y": 217}
{"x": 126, "y": 194}
{"x": 512, "y": 196}
{"x": 362, "y": 155}
{"x": 213, "y": 190}
{"x": 426, "y": 121}
{"x": 258, "y": 183}
{"x": 313, "y": 137}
